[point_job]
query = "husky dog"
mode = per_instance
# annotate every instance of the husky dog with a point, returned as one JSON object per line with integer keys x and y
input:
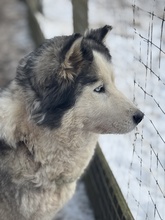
{"x": 63, "y": 96}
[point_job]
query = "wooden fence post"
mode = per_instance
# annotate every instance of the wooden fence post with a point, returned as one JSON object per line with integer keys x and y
{"x": 33, "y": 7}
{"x": 80, "y": 15}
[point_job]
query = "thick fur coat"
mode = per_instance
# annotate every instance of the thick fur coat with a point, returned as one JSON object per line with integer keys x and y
{"x": 63, "y": 96}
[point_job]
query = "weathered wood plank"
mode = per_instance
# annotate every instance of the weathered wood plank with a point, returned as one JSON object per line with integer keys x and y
{"x": 80, "y": 15}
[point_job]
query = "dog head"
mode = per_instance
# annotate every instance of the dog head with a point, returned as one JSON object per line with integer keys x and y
{"x": 75, "y": 72}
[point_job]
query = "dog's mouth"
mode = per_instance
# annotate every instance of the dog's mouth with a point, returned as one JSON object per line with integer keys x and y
{"x": 101, "y": 130}
{"x": 122, "y": 127}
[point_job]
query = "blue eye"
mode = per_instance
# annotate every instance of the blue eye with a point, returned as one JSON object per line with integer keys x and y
{"x": 100, "y": 89}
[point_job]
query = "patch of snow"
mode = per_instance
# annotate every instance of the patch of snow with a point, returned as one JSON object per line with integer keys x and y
{"x": 78, "y": 208}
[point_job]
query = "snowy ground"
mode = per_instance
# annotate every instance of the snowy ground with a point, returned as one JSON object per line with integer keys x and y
{"x": 78, "y": 208}
{"x": 137, "y": 159}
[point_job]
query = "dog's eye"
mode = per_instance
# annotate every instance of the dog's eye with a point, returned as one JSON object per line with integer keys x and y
{"x": 100, "y": 89}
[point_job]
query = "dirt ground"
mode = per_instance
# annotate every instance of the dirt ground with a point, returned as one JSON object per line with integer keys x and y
{"x": 15, "y": 39}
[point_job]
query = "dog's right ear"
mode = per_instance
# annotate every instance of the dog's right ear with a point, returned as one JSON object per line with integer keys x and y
{"x": 98, "y": 34}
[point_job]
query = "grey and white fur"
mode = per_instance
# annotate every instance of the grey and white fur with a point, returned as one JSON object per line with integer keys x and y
{"x": 62, "y": 97}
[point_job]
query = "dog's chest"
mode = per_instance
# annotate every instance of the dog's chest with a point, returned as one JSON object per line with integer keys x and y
{"x": 77, "y": 159}
{"x": 65, "y": 160}
{"x": 46, "y": 202}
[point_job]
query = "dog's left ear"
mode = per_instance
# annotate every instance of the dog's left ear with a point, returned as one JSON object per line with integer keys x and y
{"x": 98, "y": 34}
{"x": 71, "y": 57}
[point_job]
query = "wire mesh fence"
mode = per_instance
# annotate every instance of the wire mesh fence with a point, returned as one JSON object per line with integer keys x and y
{"x": 144, "y": 164}
{"x": 151, "y": 57}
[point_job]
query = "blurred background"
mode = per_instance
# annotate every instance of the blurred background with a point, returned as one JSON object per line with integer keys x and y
{"x": 137, "y": 46}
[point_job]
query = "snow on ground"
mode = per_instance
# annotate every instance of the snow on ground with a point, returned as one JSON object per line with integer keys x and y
{"x": 137, "y": 159}
{"x": 78, "y": 208}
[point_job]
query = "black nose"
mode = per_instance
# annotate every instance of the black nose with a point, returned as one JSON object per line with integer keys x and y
{"x": 138, "y": 116}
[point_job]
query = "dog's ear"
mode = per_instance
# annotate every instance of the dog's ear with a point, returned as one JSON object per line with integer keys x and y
{"x": 98, "y": 34}
{"x": 50, "y": 92}
{"x": 71, "y": 57}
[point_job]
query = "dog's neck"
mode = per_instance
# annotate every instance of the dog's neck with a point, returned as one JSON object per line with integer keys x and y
{"x": 59, "y": 151}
